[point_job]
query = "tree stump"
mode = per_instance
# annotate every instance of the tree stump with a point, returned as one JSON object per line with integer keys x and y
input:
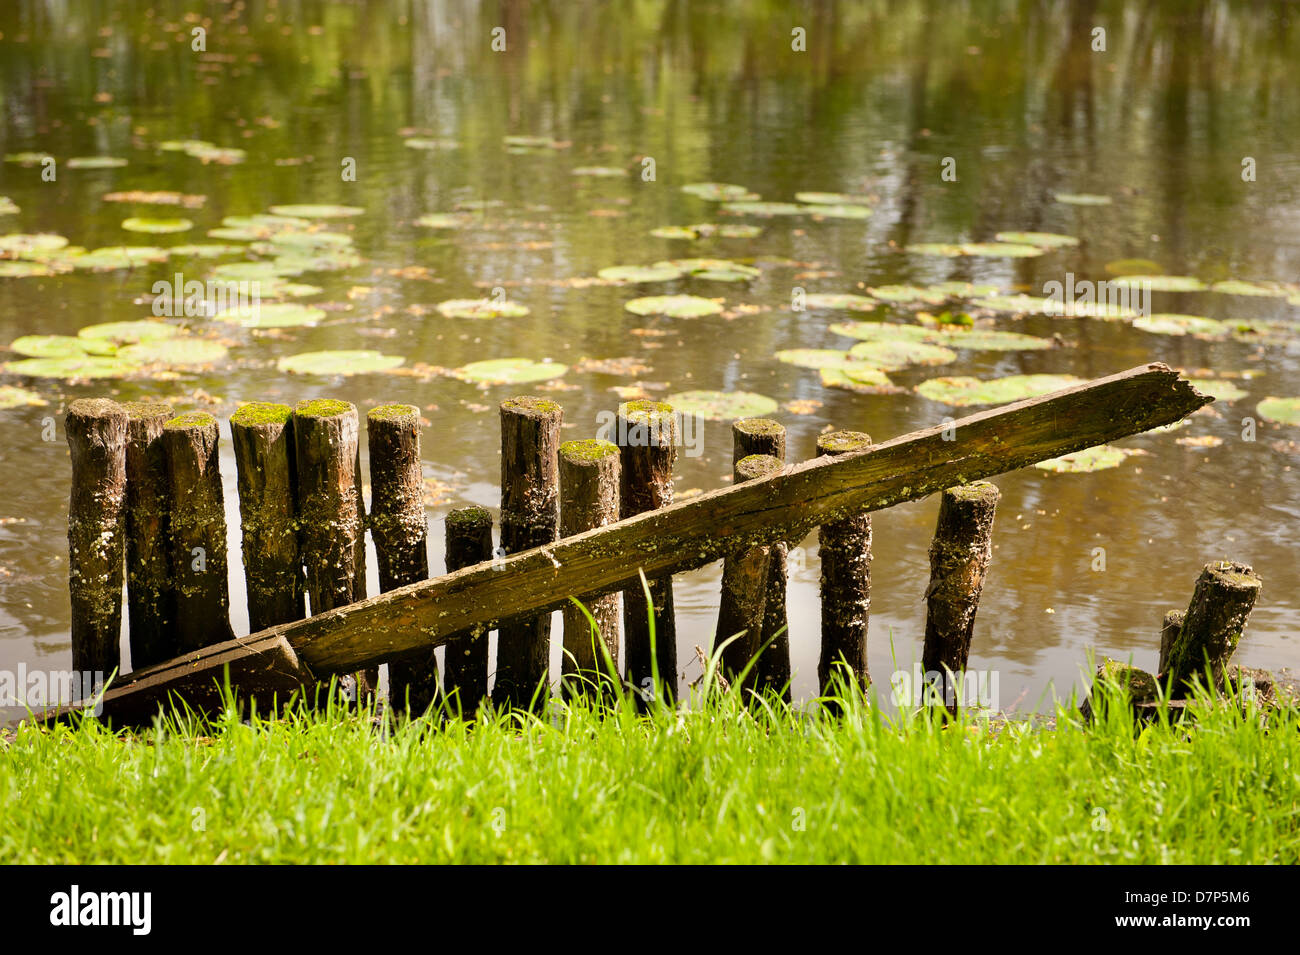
{"x": 844, "y": 547}
{"x": 150, "y": 595}
{"x": 1221, "y": 604}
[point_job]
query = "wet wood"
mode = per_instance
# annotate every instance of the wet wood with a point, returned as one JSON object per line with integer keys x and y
{"x": 743, "y": 603}
{"x": 530, "y": 517}
{"x": 959, "y": 560}
{"x": 844, "y": 548}
{"x": 465, "y": 674}
{"x": 96, "y": 430}
{"x": 1169, "y": 628}
{"x": 150, "y": 596}
{"x": 589, "y": 493}
{"x": 783, "y": 506}
{"x": 765, "y": 436}
{"x": 198, "y": 522}
{"x": 1225, "y": 594}
{"x": 262, "y": 434}
{"x": 400, "y": 530}
{"x": 647, "y": 440}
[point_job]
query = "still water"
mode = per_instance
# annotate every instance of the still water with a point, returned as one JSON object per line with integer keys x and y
{"x": 1016, "y": 94}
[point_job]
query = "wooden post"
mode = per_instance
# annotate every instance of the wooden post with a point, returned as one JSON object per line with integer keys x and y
{"x": 1169, "y": 628}
{"x": 764, "y": 436}
{"x": 589, "y": 479}
{"x": 743, "y": 603}
{"x": 844, "y": 547}
{"x": 959, "y": 559}
{"x": 331, "y": 515}
{"x": 647, "y": 440}
{"x": 465, "y": 676}
{"x": 198, "y": 530}
{"x": 96, "y": 432}
{"x": 401, "y": 534}
{"x": 530, "y": 441}
{"x": 262, "y": 434}
{"x": 1221, "y": 604}
{"x": 150, "y": 594}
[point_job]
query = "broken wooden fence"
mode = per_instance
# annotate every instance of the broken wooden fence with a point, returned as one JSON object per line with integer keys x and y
{"x": 579, "y": 519}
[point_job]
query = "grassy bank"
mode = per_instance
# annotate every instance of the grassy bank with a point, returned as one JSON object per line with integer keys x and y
{"x": 713, "y": 785}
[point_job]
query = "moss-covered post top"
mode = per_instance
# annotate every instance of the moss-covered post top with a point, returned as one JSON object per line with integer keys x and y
{"x": 645, "y": 410}
{"x": 529, "y": 406}
{"x": 190, "y": 420}
{"x": 587, "y": 451}
{"x": 323, "y": 408}
{"x": 89, "y": 408}
{"x": 977, "y": 492}
{"x": 756, "y": 465}
{"x": 398, "y": 414}
{"x": 842, "y": 442}
{"x": 260, "y": 413}
{"x": 471, "y": 516}
{"x": 141, "y": 410}
{"x": 757, "y": 426}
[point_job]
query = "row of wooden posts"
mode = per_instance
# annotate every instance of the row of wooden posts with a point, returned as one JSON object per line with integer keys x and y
{"x": 147, "y": 504}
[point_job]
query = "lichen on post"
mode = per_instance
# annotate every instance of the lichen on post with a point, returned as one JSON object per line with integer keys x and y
{"x": 765, "y": 436}
{"x": 1221, "y": 604}
{"x": 198, "y": 530}
{"x": 844, "y": 547}
{"x": 589, "y": 493}
{"x": 530, "y": 441}
{"x": 400, "y": 530}
{"x": 150, "y": 594}
{"x": 743, "y": 602}
{"x": 96, "y": 430}
{"x": 331, "y": 514}
{"x": 647, "y": 440}
{"x": 262, "y": 434}
{"x": 465, "y": 672}
{"x": 959, "y": 559}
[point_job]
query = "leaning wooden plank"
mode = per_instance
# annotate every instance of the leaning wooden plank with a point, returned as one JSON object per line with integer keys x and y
{"x": 782, "y": 506}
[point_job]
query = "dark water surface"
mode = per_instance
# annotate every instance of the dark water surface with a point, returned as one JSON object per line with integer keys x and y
{"x": 1013, "y": 91}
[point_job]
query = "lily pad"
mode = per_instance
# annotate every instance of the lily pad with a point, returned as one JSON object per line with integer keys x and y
{"x": 756, "y": 208}
{"x": 674, "y": 306}
{"x": 1082, "y": 199}
{"x": 28, "y": 158}
{"x": 963, "y": 391}
{"x": 949, "y": 249}
{"x": 708, "y": 230}
{"x": 815, "y": 357}
{"x": 885, "y": 332}
{"x": 836, "y": 300}
{"x": 1002, "y": 250}
{"x": 119, "y": 257}
{"x": 830, "y": 198}
{"x": 23, "y": 270}
{"x": 600, "y": 172}
{"x": 1281, "y": 410}
{"x": 174, "y": 351}
{"x": 313, "y": 241}
{"x": 24, "y": 244}
{"x": 859, "y": 377}
{"x": 980, "y": 339}
{"x": 156, "y": 226}
{"x": 113, "y": 334}
{"x": 338, "y": 362}
{"x": 423, "y": 142}
{"x": 1162, "y": 283}
{"x": 1257, "y": 289}
{"x": 1169, "y": 324}
{"x": 640, "y": 273}
{"x": 701, "y": 266}
{"x": 317, "y": 211}
{"x": 273, "y": 315}
{"x": 85, "y": 366}
{"x": 481, "y": 308}
{"x": 440, "y": 220}
{"x": 722, "y": 405}
{"x": 1046, "y": 240}
{"x": 720, "y": 191}
{"x": 95, "y": 162}
{"x": 838, "y": 211}
{"x": 513, "y": 371}
{"x": 1090, "y": 459}
{"x": 893, "y": 356}
{"x": 249, "y": 272}
{"x": 1226, "y": 391}
{"x": 7, "y": 206}
{"x": 11, "y": 396}
{"x": 205, "y": 250}
{"x": 49, "y": 346}
{"x": 908, "y": 294}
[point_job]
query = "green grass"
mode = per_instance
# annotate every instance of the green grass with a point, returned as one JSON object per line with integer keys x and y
{"x": 718, "y": 783}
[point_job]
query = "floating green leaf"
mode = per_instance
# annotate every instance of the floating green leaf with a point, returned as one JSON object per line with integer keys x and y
{"x": 338, "y": 362}
{"x": 310, "y": 241}
{"x": 860, "y": 378}
{"x": 980, "y": 339}
{"x": 204, "y": 250}
{"x": 86, "y": 366}
{"x": 1090, "y": 459}
{"x": 317, "y": 211}
{"x": 756, "y": 208}
{"x": 1162, "y": 283}
{"x": 119, "y": 257}
{"x": 28, "y": 158}
{"x": 838, "y": 211}
{"x": 722, "y": 405}
{"x": 1046, "y": 240}
{"x": 601, "y": 172}
{"x": 49, "y": 346}
{"x": 441, "y": 220}
{"x": 174, "y": 351}
{"x": 816, "y": 357}
{"x": 421, "y": 142}
{"x": 707, "y": 230}
{"x": 1257, "y": 289}
{"x": 720, "y": 191}
{"x": 674, "y": 306}
{"x": 1004, "y": 250}
{"x": 23, "y": 270}
{"x": 908, "y": 294}
{"x": 1219, "y": 390}
{"x": 885, "y": 332}
{"x": 1082, "y": 199}
{"x": 113, "y": 334}
{"x": 512, "y": 371}
{"x": 895, "y": 355}
{"x": 7, "y": 206}
{"x": 836, "y": 300}
{"x": 1281, "y": 410}
{"x": 962, "y": 391}
{"x": 481, "y": 308}
{"x": 25, "y": 244}
{"x": 156, "y": 226}
{"x": 640, "y": 273}
{"x": 11, "y": 396}
{"x": 830, "y": 198}
{"x": 273, "y": 315}
{"x": 95, "y": 162}
{"x": 1169, "y": 324}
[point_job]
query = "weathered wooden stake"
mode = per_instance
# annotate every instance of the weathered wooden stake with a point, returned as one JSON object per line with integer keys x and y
{"x": 1169, "y": 628}
{"x": 262, "y": 434}
{"x": 844, "y": 547}
{"x": 959, "y": 559}
{"x": 743, "y": 603}
{"x": 764, "y": 436}
{"x": 589, "y": 479}
{"x": 530, "y": 441}
{"x": 401, "y": 534}
{"x": 331, "y": 515}
{"x": 150, "y": 594}
{"x": 96, "y": 431}
{"x": 465, "y": 675}
{"x": 198, "y": 520}
{"x": 1221, "y": 604}
{"x": 647, "y": 440}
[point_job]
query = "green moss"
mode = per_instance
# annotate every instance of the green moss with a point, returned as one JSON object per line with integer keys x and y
{"x": 975, "y": 491}
{"x": 587, "y": 449}
{"x": 469, "y": 515}
{"x": 530, "y": 405}
{"x": 644, "y": 409}
{"x": 843, "y": 442}
{"x": 261, "y": 412}
{"x": 759, "y": 426}
{"x": 756, "y": 465}
{"x": 322, "y": 408}
{"x": 393, "y": 413}
{"x": 192, "y": 419}
{"x": 138, "y": 410}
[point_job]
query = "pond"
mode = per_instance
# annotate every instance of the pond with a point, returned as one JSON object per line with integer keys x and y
{"x": 566, "y": 153}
